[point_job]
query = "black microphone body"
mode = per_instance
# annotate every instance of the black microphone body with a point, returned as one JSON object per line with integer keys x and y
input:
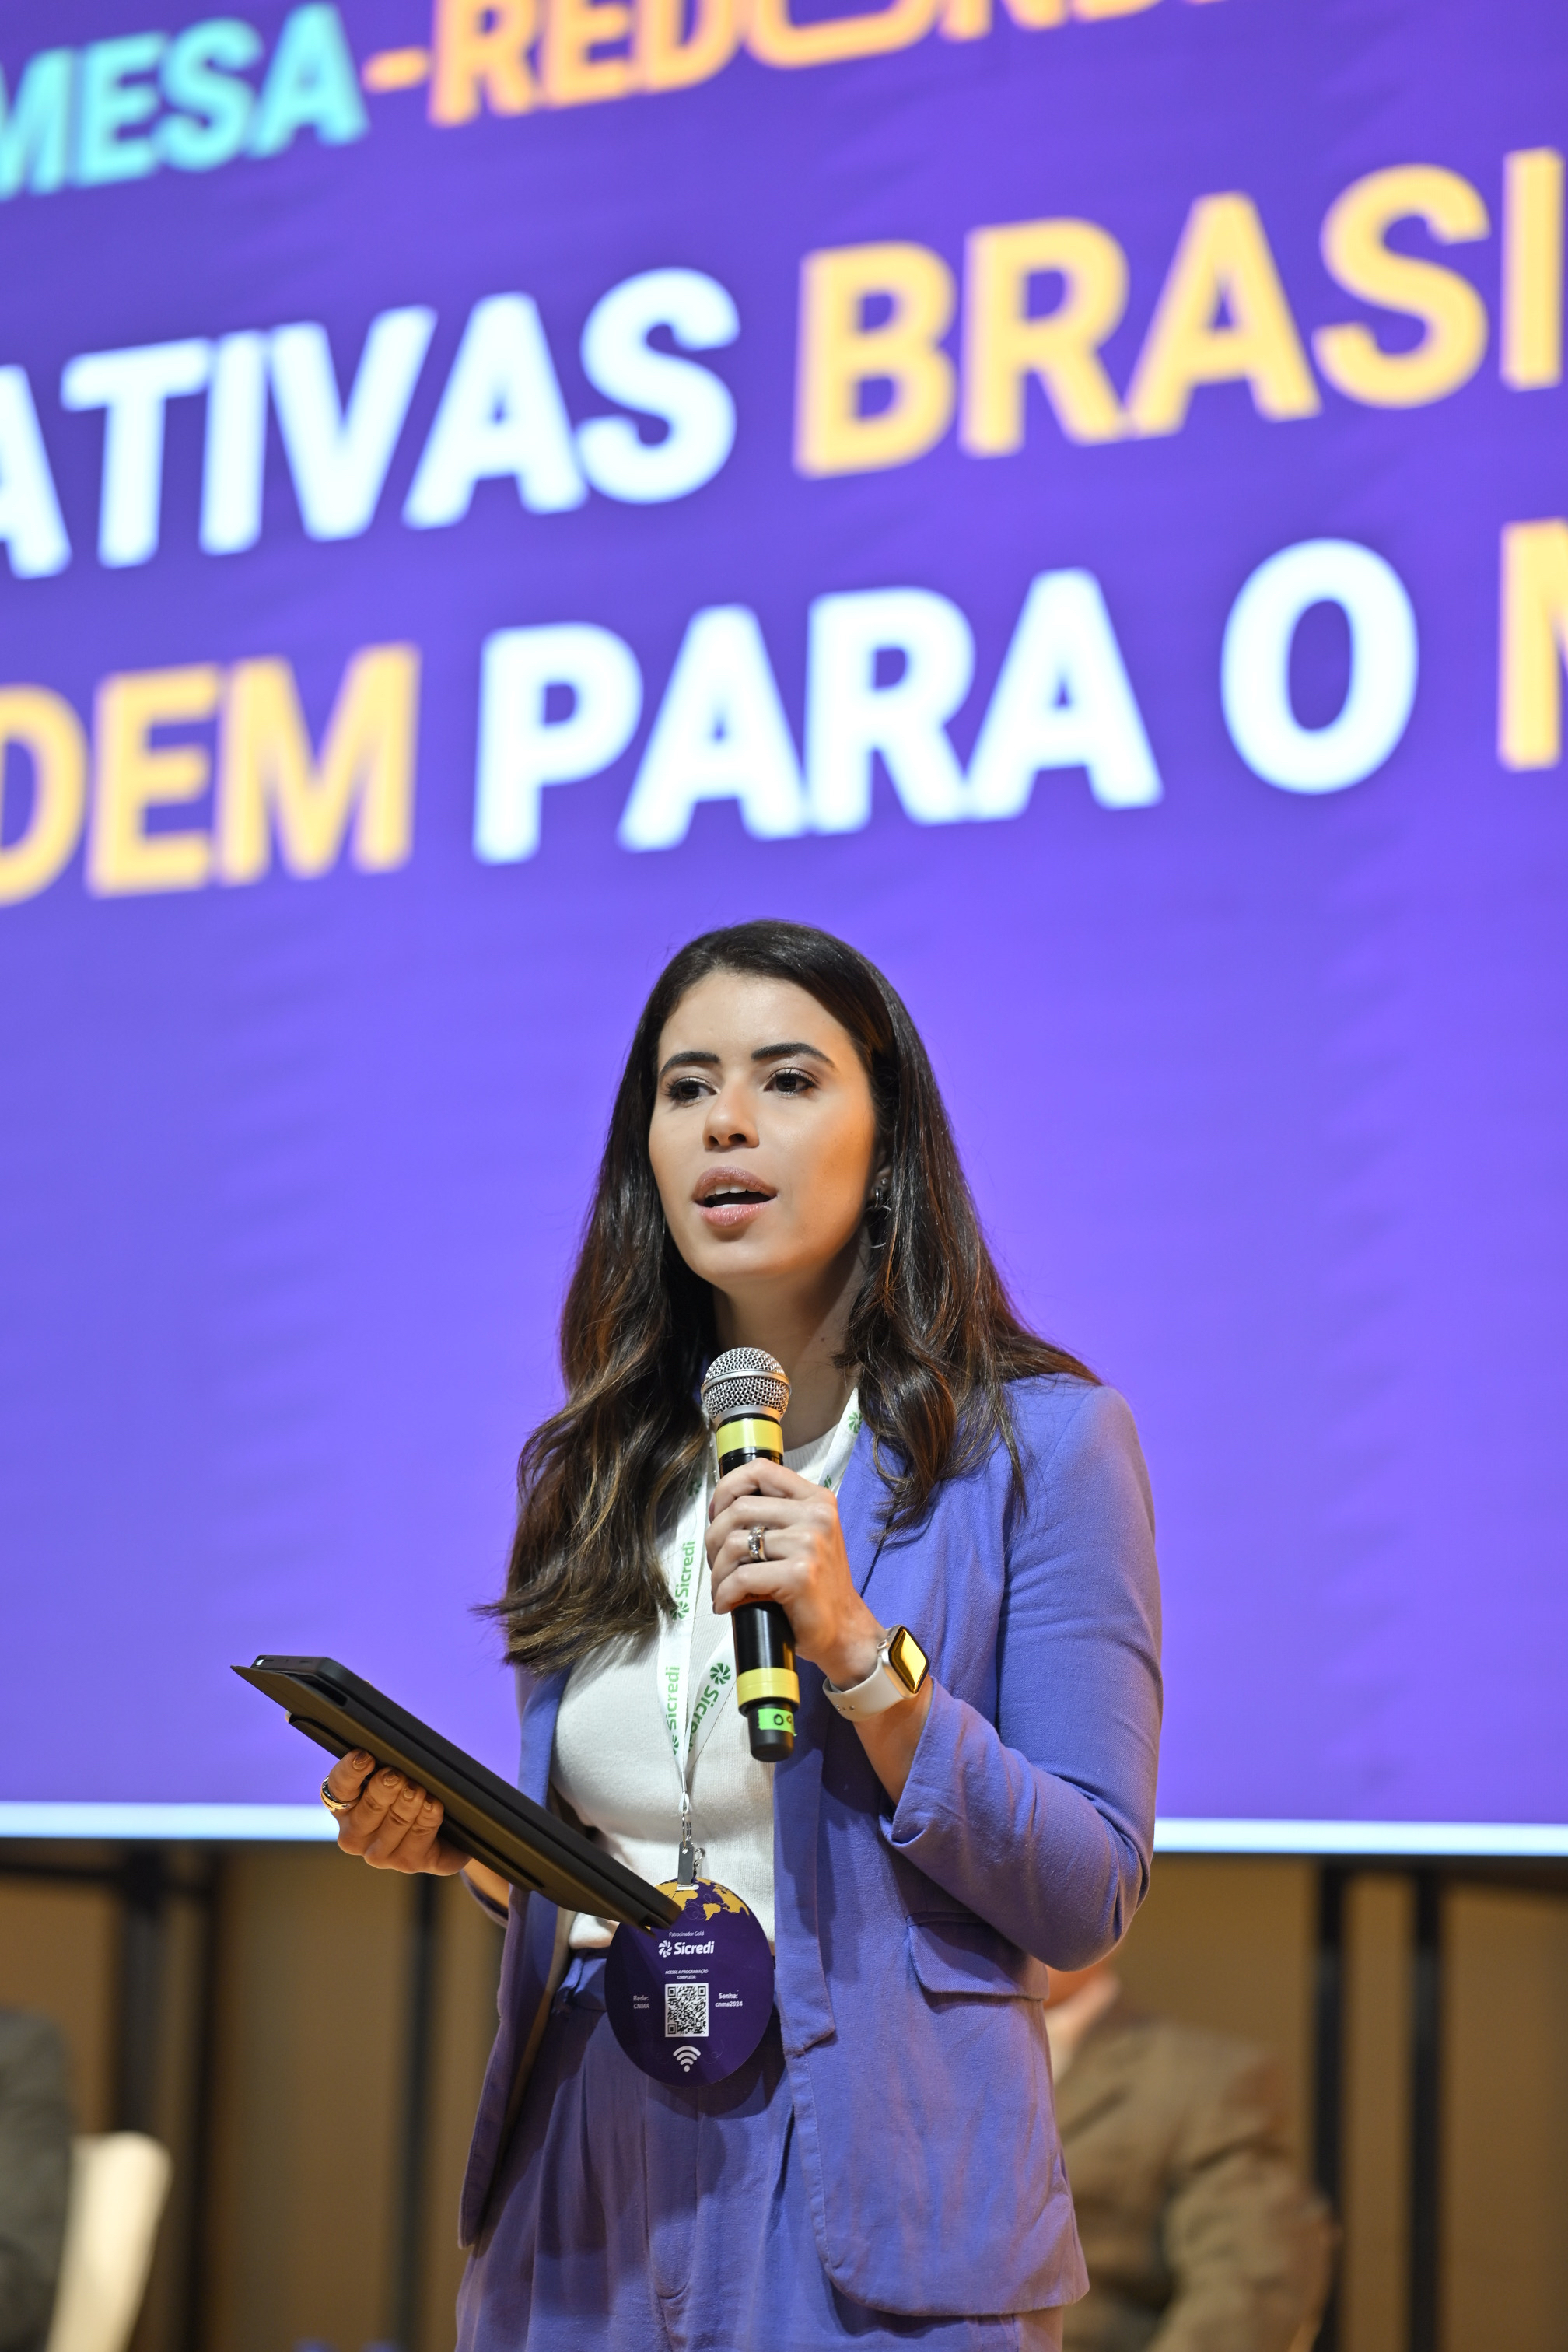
{"x": 744, "y": 1397}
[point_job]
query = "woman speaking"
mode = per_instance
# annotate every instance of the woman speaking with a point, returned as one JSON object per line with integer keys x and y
{"x": 960, "y": 1537}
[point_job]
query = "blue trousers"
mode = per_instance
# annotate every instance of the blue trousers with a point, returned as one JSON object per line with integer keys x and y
{"x": 630, "y": 2216}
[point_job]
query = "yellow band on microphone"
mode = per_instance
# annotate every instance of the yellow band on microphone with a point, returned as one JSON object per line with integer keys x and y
{"x": 750, "y": 1435}
{"x": 767, "y": 1682}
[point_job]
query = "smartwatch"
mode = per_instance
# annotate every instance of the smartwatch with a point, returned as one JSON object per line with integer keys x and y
{"x": 901, "y": 1671}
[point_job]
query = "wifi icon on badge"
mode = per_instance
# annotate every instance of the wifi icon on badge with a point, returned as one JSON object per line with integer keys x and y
{"x": 686, "y": 2058}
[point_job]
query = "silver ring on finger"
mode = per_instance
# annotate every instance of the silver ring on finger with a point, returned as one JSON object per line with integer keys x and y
{"x": 339, "y": 1806}
{"x": 754, "y": 1551}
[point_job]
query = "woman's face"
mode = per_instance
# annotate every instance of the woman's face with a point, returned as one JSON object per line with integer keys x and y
{"x": 763, "y": 1138}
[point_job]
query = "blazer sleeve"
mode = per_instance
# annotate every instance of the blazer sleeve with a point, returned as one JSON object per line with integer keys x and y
{"x": 1248, "y": 2244}
{"x": 1043, "y": 1821}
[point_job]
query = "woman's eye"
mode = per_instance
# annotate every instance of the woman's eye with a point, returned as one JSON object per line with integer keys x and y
{"x": 684, "y": 1090}
{"x": 793, "y": 1082}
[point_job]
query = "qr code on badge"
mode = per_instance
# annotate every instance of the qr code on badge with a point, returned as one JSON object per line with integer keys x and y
{"x": 685, "y": 2012}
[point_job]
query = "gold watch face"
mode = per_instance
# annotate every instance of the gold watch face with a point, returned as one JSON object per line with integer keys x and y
{"x": 907, "y": 1658}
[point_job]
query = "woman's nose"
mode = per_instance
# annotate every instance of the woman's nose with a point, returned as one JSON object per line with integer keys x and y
{"x": 729, "y": 1124}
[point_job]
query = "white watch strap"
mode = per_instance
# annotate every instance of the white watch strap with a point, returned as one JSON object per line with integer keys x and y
{"x": 880, "y": 1690}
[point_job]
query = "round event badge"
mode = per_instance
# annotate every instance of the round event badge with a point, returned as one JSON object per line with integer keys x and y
{"x": 688, "y": 2003}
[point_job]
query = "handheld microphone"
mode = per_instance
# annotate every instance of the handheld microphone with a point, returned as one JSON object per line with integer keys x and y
{"x": 744, "y": 1397}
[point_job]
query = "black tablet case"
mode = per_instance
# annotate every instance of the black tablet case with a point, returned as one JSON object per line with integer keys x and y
{"x": 486, "y": 1819}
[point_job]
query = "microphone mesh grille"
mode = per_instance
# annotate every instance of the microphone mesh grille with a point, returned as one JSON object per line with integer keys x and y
{"x": 744, "y": 1380}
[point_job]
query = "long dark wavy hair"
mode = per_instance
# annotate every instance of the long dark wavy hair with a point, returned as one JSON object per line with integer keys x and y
{"x": 932, "y": 1338}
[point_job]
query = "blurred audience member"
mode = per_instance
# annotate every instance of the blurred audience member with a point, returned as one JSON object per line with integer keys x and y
{"x": 35, "y": 2175}
{"x": 1199, "y": 2234}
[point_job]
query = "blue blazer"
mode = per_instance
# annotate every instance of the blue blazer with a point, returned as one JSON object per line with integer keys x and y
{"x": 911, "y": 1940}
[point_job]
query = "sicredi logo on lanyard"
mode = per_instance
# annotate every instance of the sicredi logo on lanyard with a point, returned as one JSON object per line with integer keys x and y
{"x": 691, "y": 2001}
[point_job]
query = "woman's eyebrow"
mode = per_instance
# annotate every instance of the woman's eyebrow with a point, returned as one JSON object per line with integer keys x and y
{"x": 780, "y": 1053}
{"x": 693, "y": 1056}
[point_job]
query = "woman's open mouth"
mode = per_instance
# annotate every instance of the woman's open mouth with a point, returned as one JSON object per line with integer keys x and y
{"x": 726, "y": 1201}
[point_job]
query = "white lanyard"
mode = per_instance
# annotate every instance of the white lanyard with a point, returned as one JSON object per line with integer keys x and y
{"x": 689, "y": 1716}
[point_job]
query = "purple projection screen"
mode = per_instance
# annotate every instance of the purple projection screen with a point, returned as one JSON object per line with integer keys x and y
{"x": 1071, "y": 496}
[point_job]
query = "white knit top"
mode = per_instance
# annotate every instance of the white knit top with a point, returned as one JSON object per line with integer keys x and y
{"x": 615, "y": 1766}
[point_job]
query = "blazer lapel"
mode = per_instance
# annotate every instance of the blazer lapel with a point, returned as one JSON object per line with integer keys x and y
{"x": 805, "y": 2009}
{"x": 539, "y": 1704}
{"x": 861, "y": 1498}
{"x": 530, "y": 1958}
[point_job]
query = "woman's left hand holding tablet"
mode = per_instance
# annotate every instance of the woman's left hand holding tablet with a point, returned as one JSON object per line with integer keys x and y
{"x": 392, "y": 1824}
{"x": 806, "y": 1568}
